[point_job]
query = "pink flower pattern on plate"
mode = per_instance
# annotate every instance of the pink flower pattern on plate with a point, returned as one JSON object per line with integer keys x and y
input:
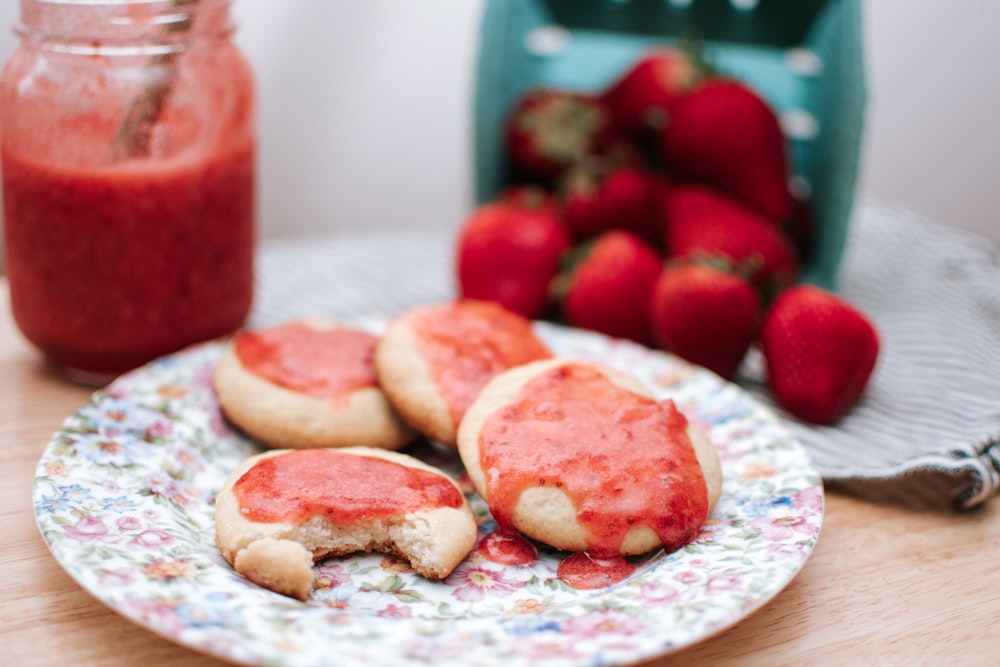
{"x": 124, "y": 498}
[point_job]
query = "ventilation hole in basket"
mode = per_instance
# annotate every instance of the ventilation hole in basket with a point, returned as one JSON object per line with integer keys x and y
{"x": 799, "y": 124}
{"x": 804, "y": 62}
{"x": 800, "y": 187}
{"x": 547, "y": 40}
{"x": 744, "y": 5}
{"x": 679, "y": 4}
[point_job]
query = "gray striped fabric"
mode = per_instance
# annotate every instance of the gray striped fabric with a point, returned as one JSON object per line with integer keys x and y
{"x": 927, "y": 432}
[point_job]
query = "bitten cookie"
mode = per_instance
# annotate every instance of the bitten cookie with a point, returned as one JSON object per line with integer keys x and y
{"x": 433, "y": 360}
{"x": 308, "y": 383}
{"x": 282, "y": 510}
{"x": 583, "y": 457}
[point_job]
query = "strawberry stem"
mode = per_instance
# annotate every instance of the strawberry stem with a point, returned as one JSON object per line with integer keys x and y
{"x": 692, "y": 45}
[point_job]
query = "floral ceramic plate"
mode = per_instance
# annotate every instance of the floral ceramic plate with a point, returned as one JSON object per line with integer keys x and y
{"x": 124, "y": 498}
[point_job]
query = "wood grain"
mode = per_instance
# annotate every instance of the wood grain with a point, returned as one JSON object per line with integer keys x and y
{"x": 884, "y": 586}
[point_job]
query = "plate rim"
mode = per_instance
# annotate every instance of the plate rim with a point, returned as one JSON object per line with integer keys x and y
{"x": 544, "y": 328}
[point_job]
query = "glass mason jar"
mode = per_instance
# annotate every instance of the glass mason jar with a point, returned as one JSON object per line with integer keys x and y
{"x": 127, "y": 137}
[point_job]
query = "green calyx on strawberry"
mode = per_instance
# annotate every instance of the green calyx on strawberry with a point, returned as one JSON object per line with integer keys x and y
{"x": 606, "y": 285}
{"x": 600, "y": 196}
{"x": 704, "y": 310}
{"x": 699, "y": 220}
{"x": 641, "y": 98}
{"x": 820, "y": 352}
{"x": 509, "y": 254}
{"x": 548, "y": 131}
{"x": 531, "y": 197}
{"x": 726, "y": 135}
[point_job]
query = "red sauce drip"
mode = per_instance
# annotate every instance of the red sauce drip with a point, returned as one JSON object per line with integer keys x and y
{"x": 586, "y": 572}
{"x": 622, "y": 459}
{"x": 342, "y": 487}
{"x": 508, "y": 547}
{"x": 325, "y": 363}
{"x": 468, "y": 342}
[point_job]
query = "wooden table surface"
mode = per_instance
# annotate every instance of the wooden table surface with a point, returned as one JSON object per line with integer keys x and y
{"x": 884, "y": 586}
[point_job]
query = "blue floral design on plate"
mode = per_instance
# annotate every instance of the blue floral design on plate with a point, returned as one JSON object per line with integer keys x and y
{"x": 124, "y": 498}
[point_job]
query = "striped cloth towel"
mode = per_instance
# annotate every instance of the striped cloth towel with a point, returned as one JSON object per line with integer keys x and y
{"x": 927, "y": 432}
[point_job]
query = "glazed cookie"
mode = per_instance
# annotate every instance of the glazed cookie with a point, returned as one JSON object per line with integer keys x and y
{"x": 433, "y": 360}
{"x": 305, "y": 384}
{"x": 283, "y": 510}
{"x": 582, "y": 457}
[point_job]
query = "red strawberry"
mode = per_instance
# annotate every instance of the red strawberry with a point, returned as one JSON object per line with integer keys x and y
{"x": 532, "y": 197}
{"x": 640, "y": 99}
{"x": 701, "y": 221}
{"x": 820, "y": 352}
{"x": 725, "y": 134}
{"x": 510, "y": 254}
{"x": 608, "y": 289}
{"x": 599, "y": 199}
{"x": 706, "y": 312}
{"x": 550, "y": 130}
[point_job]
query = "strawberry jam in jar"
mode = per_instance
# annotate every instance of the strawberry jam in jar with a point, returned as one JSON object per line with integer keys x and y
{"x": 128, "y": 157}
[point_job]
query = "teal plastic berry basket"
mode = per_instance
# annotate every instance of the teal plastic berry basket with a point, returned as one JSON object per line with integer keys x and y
{"x": 804, "y": 56}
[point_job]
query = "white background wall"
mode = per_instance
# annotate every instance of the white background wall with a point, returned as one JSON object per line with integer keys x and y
{"x": 933, "y": 133}
{"x": 364, "y": 109}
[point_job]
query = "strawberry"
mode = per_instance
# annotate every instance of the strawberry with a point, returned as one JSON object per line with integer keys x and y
{"x": 609, "y": 286}
{"x": 510, "y": 254}
{"x": 726, "y": 135}
{"x": 639, "y": 100}
{"x": 531, "y": 196}
{"x": 698, "y": 220}
{"x": 707, "y": 312}
{"x": 598, "y": 199}
{"x": 820, "y": 352}
{"x": 549, "y": 130}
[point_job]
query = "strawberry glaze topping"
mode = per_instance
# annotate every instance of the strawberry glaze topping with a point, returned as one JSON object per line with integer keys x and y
{"x": 623, "y": 460}
{"x": 341, "y": 487}
{"x": 467, "y": 342}
{"x": 323, "y": 363}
